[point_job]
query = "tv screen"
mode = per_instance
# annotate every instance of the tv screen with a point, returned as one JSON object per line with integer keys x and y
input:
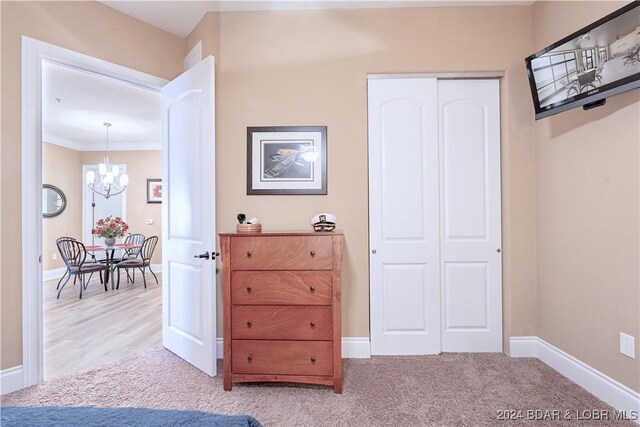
{"x": 600, "y": 60}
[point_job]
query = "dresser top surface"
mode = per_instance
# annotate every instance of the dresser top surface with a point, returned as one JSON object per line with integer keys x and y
{"x": 284, "y": 233}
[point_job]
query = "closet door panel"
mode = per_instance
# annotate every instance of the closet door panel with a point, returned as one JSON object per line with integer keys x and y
{"x": 470, "y": 205}
{"x": 403, "y": 199}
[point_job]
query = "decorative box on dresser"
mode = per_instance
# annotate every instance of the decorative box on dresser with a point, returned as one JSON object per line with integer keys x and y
{"x": 281, "y": 303}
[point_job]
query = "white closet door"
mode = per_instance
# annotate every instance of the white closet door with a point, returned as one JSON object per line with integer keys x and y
{"x": 404, "y": 226}
{"x": 471, "y": 263}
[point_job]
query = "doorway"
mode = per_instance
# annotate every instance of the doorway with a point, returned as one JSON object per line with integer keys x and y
{"x": 435, "y": 215}
{"x": 34, "y": 54}
{"x": 104, "y": 321}
{"x": 188, "y": 127}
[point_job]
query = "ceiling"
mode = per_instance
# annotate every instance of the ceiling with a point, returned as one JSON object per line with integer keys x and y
{"x": 76, "y": 103}
{"x": 180, "y": 17}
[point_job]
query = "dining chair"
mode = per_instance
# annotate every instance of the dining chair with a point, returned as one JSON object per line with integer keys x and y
{"x": 135, "y": 239}
{"x": 142, "y": 262}
{"x": 74, "y": 255}
{"x": 93, "y": 257}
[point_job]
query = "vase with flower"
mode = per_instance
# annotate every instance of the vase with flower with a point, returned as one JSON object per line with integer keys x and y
{"x": 109, "y": 228}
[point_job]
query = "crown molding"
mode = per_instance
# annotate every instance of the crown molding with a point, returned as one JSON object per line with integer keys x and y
{"x": 93, "y": 146}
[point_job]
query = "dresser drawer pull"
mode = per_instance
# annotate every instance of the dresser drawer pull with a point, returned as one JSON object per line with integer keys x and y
{"x": 312, "y": 288}
{"x": 248, "y": 254}
{"x": 250, "y": 358}
{"x": 312, "y": 253}
{"x": 248, "y": 289}
{"x": 313, "y": 324}
{"x": 249, "y": 324}
{"x": 313, "y": 359}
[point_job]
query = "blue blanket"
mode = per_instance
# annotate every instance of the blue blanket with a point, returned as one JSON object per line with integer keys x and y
{"x": 51, "y": 416}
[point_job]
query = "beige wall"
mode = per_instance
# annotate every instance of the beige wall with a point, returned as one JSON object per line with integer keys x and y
{"x": 140, "y": 166}
{"x": 588, "y": 215}
{"x": 86, "y": 27}
{"x": 62, "y": 167}
{"x": 310, "y": 68}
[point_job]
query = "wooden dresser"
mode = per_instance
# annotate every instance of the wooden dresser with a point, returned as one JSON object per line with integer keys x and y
{"x": 281, "y": 301}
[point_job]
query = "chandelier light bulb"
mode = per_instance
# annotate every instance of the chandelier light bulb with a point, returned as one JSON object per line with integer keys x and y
{"x": 91, "y": 177}
{"x": 108, "y": 178}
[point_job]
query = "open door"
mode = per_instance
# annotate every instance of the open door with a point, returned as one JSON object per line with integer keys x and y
{"x": 189, "y": 217}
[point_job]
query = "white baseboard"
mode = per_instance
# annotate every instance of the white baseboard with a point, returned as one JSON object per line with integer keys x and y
{"x": 356, "y": 348}
{"x": 352, "y": 348}
{"x": 11, "y": 379}
{"x": 595, "y": 382}
{"x": 55, "y": 273}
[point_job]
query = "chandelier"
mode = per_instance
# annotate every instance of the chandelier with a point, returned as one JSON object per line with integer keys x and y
{"x": 106, "y": 186}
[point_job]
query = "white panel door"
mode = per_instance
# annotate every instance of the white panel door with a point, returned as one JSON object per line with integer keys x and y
{"x": 403, "y": 198}
{"x": 188, "y": 291}
{"x": 471, "y": 262}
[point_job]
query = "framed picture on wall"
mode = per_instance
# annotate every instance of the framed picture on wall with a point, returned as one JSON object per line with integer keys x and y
{"x": 154, "y": 190}
{"x": 287, "y": 160}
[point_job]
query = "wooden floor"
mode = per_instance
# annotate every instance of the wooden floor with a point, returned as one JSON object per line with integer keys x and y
{"x": 102, "y": 326}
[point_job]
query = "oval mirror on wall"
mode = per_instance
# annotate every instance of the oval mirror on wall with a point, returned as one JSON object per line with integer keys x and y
{"x": 53, "y": 201}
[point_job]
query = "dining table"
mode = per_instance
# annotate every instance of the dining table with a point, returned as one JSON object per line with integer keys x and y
{"x": 110, "y": 261}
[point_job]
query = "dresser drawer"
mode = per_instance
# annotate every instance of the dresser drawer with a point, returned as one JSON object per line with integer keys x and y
{"x": 281, "y": 322}
{"x": 282, "y": 253}
{"x": 282, "y": 357}
{"x": 281, "y": 287}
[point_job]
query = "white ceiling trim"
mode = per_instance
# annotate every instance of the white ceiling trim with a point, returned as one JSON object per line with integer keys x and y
{"x": 89, "y": 146}
{"x": 181, "y": 17}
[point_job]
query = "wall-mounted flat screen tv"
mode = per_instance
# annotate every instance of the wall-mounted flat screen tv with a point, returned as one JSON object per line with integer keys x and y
{"x": 600, "y": 60}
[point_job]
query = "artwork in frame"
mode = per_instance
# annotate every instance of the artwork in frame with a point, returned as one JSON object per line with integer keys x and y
{"x": 287, "y": 160}
{"x": 154, "y": 190}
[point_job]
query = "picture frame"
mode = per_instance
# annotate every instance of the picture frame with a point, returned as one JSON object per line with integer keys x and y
{"x": 154, "y": 190}
{"x": 287, "y": 160}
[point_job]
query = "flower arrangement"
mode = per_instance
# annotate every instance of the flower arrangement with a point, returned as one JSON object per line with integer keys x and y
{"x": 110, "y": 227}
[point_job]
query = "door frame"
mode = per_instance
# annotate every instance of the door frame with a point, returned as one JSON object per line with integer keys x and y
{"x": 464, "y": 75}
{"x": 34, "y": 52}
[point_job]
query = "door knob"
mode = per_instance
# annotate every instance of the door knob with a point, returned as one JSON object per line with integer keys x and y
{"x": 373, "y": 251}
{"x": 204, "y": 255}
{"x": 498, "y": 250}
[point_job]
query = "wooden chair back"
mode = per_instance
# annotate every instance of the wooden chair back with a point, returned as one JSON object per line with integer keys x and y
{"x": 149, "y": 245}
{"x": 73, "y": 253}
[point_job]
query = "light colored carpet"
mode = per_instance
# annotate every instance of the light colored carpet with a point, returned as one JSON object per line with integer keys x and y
{"x": 443, "y": 390}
